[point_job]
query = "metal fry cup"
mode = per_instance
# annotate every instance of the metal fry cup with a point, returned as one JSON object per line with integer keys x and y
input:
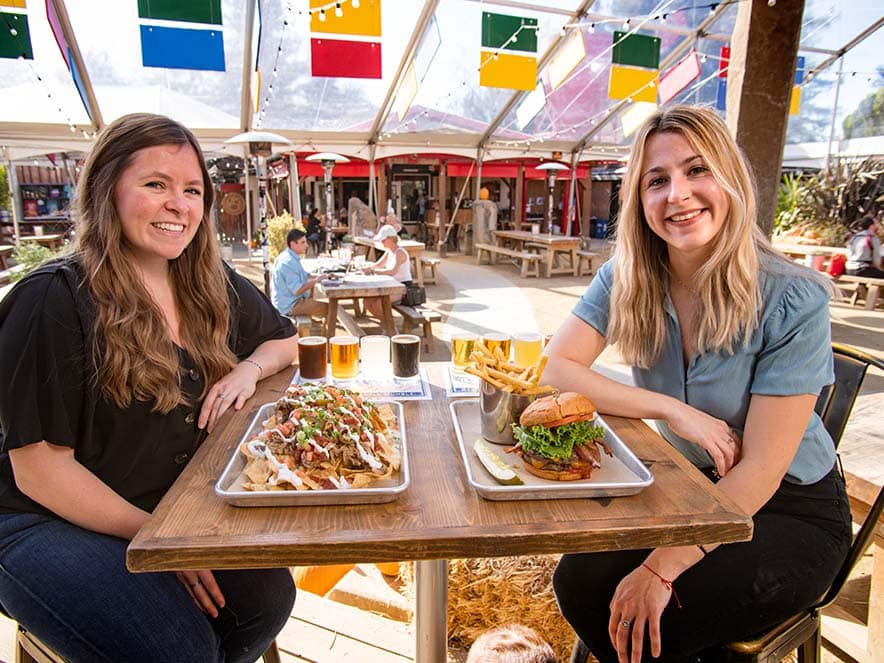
{"x": 498, "y": 410}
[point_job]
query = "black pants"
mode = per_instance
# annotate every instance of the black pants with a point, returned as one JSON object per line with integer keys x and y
{"x": 801, "y": 538}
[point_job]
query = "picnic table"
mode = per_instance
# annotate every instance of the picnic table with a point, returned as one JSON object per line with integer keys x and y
{"x": 358, "y": 287}
{"x": 439, "y": 516}
{"x": 414, "y": 249}
{"x": 54, "y": 241}
{"x": 552, "y": 247}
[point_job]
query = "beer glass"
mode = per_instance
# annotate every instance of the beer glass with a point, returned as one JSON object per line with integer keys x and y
{"x": 344, "y": 357}
{"x": 406, "y": 357}
{"x": 494, "y": 340}
{"x": 311, "y": 357}
{"x": 526, "y": 348}
{"x": 462, "y": 344}
{"x": 375, "y": 356}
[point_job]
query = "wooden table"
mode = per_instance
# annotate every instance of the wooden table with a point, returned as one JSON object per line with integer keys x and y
{"x": 554, "y": 246}
{"x": 801, "y": 250}
{"x": 336, "y": 312}
{"x": 53, "y": 241}
{"x": 438, "y": 518}
{"x": 414, "y": 249}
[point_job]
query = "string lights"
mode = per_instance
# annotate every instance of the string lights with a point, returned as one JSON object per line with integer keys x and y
{"x": 274, "y": 74}
{"x": 72, "y": 126}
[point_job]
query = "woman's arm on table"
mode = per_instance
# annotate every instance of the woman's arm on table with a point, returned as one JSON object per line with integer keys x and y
{"x": 51, "y": 476}
{"x": 239, "y": 384}
{"x": 574, "y": 349}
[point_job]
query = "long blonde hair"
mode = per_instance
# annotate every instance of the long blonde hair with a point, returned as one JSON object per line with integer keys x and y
{"x": 727, "y": 283}
{"x": 133, "y": 354}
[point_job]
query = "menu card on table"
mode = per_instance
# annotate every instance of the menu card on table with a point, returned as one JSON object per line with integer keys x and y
{"x": 414, "y": 390}
{"x": 460, "y": 384}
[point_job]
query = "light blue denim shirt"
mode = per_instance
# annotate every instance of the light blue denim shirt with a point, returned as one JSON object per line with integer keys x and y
{"x": 288, "y": 276}
{"x": 789, "y": 353}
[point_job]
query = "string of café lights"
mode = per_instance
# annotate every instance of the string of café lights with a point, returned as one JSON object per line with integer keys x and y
{"x": 41, "y": 79}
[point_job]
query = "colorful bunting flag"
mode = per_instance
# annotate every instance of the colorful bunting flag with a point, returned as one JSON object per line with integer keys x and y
{"x": 15, "y": 34}
{"x": 724, "y": 63}
{"x": 678, "y": 77}
{"x": 572, "y": 53}
{"x": 338, "y": 57}
{"x": 795, "y": 99}
{"x": 178, "y": 47}
{"x": 635, "y": 65}
{"x": 58, "y": 33}
{"x": 508, "y": 57}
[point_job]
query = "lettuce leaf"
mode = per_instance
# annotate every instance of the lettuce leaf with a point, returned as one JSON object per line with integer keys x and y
{"x": 557, "y": 443}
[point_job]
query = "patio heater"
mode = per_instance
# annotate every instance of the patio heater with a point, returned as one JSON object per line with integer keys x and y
{"x": 328, "y": 160}
{"x": 261, "y": 146}
{"x": 551, "y": 168}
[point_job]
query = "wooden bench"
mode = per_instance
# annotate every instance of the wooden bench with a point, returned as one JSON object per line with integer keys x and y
{"x": 866, "y": 286}
{"x": 418, "y": 315}
{"x": 429, "y": 263}
{"x": 302, "y": 323}
{"x": 529, "y": 262}
{"x": 5, "y": 251}
{"x": 584, "y": 260}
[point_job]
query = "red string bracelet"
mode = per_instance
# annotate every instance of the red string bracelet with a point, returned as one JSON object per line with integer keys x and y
{"x": 667, "y": 583}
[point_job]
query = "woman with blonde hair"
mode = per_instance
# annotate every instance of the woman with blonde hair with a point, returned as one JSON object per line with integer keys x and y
{"x": 730, "y": 346}
{"x": 117, "y": 359}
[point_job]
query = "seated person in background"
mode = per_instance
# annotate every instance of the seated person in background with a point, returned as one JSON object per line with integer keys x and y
{"x": 864, "y": 249}
{"x": 393, "y": 221}
{"x": 512, "y": 643}
{"x": 116, "y": 359}
{"x": 395, "y": 262}
{"x": 730, "y": 345}
{"x": 315, "y": 228}
{"x": 292, "y": 285}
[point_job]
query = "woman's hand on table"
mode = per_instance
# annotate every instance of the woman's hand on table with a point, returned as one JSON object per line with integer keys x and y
{"x": 234, "y": 389}
{"x": 639, "y": 599}
{"x": 712, "y": 434}
{"x": 203, "y": 590}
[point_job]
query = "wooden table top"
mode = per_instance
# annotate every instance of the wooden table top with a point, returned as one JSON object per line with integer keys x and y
{"x": 438, "y": 517}
{"x": 342, "y": 290}
{"x": 409, "y": 245}
{"x": 808, "y": 249}
{"x": 540, "y": 238}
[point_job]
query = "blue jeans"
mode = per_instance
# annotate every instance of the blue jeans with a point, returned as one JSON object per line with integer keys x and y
{"x": 738, "y": 590}
{"x": 70, "y": 587}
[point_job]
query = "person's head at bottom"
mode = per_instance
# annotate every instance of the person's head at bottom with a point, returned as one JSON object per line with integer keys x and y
{"x": 513, "y": 643}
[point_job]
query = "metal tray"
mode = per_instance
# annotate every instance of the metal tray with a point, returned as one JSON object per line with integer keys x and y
{"x": 624, "y": 474}
{"x": 229, "y": 486}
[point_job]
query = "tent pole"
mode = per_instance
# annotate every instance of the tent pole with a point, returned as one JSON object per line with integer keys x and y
{"x": 572, "y": 194}
{"x": 245, "y": 151}
{"x": 834, "y": 112}
{"x": 295, "y": 186}
{"x": 12, "y": 185}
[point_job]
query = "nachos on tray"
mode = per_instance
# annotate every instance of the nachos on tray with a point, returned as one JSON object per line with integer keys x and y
{"x": 322, "y": 437}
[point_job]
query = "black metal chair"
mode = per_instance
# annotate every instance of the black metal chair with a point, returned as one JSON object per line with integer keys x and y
{"x": 802, "y": 632}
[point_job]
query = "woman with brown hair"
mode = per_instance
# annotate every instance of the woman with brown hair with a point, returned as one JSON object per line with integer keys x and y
{"x": 117, "y": 359}
{"x": 730, "y": 346}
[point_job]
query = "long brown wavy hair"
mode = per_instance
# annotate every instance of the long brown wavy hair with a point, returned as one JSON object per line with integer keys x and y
{"x": 727, "y": 283}
{"x": 133, "y": 353}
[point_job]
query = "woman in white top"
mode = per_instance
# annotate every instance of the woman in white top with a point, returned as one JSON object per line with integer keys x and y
{"x": 395, "y": 262}
{"x": 864, "y": 250}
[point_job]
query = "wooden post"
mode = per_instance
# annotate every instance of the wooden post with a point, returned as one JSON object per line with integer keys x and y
{"x": 519, "y": 216}
{"x": 441, "y": 245}
{"x": 587, "y": 204}
{"x": 764, "y": 50}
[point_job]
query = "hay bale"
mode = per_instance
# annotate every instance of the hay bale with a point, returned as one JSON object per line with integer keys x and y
{"x": 488, "y": 592}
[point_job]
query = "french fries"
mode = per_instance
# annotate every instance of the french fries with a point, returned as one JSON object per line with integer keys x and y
{"x": 494, "y": 368}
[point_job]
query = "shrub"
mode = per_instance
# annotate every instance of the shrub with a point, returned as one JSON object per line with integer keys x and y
{"x": 277, "y": 228}
{"x": 29, "y": 255}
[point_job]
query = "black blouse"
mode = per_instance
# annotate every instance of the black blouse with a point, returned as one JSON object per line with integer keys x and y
{"x": 48, "y": 390}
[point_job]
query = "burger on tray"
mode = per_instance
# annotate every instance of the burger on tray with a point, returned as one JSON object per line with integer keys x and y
{"x": 557, "y": 440}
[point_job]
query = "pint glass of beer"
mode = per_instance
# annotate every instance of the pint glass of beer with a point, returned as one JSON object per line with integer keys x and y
{"x": 406, "y": 357}
{"x": 526, "y": 348}
{"x": 312, "y": 358}
{"x": 375, "y": 357}
{"x": 462, "y": 344}
{"x": 494, "y": 340}
{"x": 344, "y": 357}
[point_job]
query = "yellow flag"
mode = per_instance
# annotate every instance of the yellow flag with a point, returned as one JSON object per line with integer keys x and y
{"x": 795, "y": 101}
{"x": 13, "y": 3}
{"x": 632, "y": 82}
{"x": 364, "y": 20}
{"x": 514, "y": 72}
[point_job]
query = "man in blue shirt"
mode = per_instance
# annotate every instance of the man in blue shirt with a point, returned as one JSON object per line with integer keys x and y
{"x": 292, "y": 286}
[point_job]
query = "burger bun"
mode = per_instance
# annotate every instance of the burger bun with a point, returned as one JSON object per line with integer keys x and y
{"x": 557, "y": 410}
